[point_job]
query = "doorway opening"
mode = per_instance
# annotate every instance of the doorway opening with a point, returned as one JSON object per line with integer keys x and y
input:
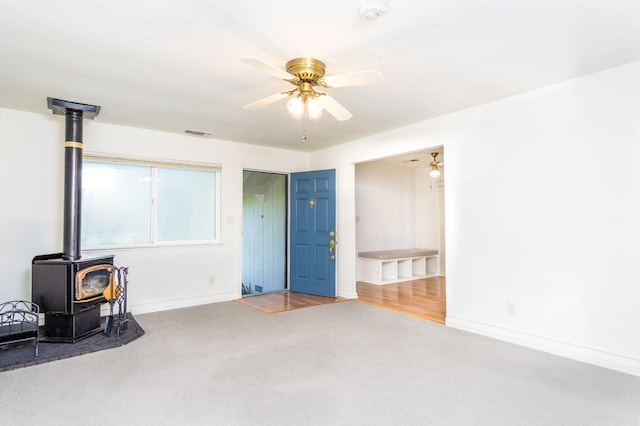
{"x": 264, "y": 232}
{"x": 400, "y": 205}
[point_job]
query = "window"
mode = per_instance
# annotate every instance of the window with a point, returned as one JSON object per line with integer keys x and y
{"x": 128, "y": 202}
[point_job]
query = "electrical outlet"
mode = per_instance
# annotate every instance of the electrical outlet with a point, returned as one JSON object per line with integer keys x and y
{"x": 511, "y": 308}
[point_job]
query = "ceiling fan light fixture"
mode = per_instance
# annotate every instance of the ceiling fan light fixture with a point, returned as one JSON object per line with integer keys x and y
{"x": 303, "y": 105}
{"x": 296, "y": 107}
{"x": 306, "y": 74}
{"x": 314, "y": 107}
{"x": 435, "y": 171}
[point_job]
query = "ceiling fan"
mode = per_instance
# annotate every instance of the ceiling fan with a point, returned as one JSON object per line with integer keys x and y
{"x": 307, "y": 74}
{"x": 435, "y": 166}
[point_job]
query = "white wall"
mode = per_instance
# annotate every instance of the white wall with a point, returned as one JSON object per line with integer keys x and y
{"x": 541, "y": 210}
{"x": 395, "y": 207}
{"x": 31, "y": 171}
{"x": 385, "y": 207}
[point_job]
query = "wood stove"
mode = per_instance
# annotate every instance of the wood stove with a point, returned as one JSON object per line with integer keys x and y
{"x": 69, "y": 289}
{"x": 69, "y": 292}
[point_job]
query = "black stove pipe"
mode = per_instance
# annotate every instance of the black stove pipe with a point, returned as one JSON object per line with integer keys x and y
{"x": 74, "y": 113}
{"x": 72, "y": 184}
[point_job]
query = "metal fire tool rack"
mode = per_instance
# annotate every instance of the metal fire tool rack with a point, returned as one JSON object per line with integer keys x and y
{"x": 117, "y": 294}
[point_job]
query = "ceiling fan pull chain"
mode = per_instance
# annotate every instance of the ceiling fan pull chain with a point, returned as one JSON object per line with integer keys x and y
{"x": 304, "y": 125}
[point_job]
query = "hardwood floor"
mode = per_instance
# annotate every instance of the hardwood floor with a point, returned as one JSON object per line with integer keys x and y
{"x": 425, "y": 298}
{"x": 281, "y": 301}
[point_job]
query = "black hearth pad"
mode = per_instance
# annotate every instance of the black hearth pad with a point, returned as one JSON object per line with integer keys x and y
{"x": 14, "y": 357}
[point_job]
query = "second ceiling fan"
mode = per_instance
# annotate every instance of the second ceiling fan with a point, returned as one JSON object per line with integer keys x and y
{"x": 308, "y": 74}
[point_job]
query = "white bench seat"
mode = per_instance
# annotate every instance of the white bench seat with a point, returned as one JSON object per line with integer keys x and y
{"x": 390, "y": 266}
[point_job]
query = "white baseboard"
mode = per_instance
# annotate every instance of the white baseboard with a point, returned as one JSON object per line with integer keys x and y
{"x": 165, "y": 305}
{"x": 613, "y": 361}
{"x": 348, "y": 294}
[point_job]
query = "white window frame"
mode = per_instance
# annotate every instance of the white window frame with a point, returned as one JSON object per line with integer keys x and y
{"x": 154, "y": 164}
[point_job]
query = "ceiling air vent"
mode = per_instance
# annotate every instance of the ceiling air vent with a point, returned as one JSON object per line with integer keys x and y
{"x": 198, "y": 132}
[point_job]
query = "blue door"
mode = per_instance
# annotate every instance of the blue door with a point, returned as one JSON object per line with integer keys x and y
{"x": 312, "y": 233}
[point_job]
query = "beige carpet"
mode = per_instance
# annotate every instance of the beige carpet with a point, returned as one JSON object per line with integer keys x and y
{"x": 338, "y": 364}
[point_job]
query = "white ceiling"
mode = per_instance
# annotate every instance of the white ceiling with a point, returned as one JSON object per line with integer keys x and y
{"x": 414, "y": 160}
{"x": 173, "y": 65}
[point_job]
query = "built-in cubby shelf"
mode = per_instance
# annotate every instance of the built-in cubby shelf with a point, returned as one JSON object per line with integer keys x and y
{"x": 392, "y": 266}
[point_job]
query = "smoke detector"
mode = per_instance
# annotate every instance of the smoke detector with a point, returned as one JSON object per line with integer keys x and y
{"x": 373, "y": 10}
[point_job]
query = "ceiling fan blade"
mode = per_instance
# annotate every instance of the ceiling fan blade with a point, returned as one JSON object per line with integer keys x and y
{"x": 267, "y": 67}
{"x": 357, "y": 78}
{"x": 266, "y": 101}
{"x": 332, "y": 106}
